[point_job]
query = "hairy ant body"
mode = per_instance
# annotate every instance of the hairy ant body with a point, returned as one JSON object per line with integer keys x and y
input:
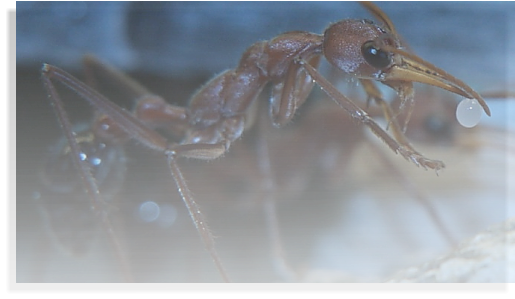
{"x": 221, "y": 110}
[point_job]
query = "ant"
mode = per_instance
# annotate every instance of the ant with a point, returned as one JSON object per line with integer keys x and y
{"x": 219, "y": 113}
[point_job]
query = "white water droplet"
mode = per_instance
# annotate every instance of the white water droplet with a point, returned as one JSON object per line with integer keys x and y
{"x": 468, "y": 113}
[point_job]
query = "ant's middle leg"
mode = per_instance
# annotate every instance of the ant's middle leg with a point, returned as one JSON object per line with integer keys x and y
{"x": 269, "y": 190}
{"x": 195, "y": 213}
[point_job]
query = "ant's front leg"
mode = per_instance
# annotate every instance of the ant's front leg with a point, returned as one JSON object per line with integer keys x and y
{"x": 375, "y": 94}
{"x": 359, "y": 114}
{"x": 289, "y": 94}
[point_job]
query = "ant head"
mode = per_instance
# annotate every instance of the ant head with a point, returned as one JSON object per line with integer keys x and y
{"x": 354, "y": 46}
{"x": 369, "y": 51}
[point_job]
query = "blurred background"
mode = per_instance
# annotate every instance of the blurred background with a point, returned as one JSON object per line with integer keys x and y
{"x": 356, "y": 220}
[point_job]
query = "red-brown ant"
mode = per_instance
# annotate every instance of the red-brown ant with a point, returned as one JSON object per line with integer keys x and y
{"x": 220, "y": 111}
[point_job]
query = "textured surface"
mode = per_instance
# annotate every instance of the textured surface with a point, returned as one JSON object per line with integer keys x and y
{"x": 487, "y": 257}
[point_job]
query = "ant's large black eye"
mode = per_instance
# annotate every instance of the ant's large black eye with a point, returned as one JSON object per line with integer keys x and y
{"x": 374, "y": 56}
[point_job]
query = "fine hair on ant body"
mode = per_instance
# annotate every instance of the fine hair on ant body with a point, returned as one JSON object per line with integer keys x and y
{"x": 220, "y": 111}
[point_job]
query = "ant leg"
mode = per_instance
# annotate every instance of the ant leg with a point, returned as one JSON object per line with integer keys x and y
{"x": 123, "y": 119}
{"x": 374, "y": 93}
{"x": 94, "y": 68}
{"x": 98, "y": 204}
{"x": 357, "y": 113}
{"x": 289, "y": 95}
{"x": 150, "y": 108}
{"x": 195, "y": 214}
{"x": 137, "y": 130}
{"x": 269, "y": 188}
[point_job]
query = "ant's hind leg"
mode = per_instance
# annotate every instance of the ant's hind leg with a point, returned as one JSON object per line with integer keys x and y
{"x": 149, "y": 107}
{"x": 96, "y": 70}
{"x": 89, "y": 183}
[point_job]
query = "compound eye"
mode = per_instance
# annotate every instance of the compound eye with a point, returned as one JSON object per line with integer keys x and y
{"x": 374, "y": 56}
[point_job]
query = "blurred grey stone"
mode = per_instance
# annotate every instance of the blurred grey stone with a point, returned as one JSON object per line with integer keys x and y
{"x": 489, "y": 256}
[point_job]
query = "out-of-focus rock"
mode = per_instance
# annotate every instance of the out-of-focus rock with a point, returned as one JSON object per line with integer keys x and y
{"x": 487, "y": 257}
